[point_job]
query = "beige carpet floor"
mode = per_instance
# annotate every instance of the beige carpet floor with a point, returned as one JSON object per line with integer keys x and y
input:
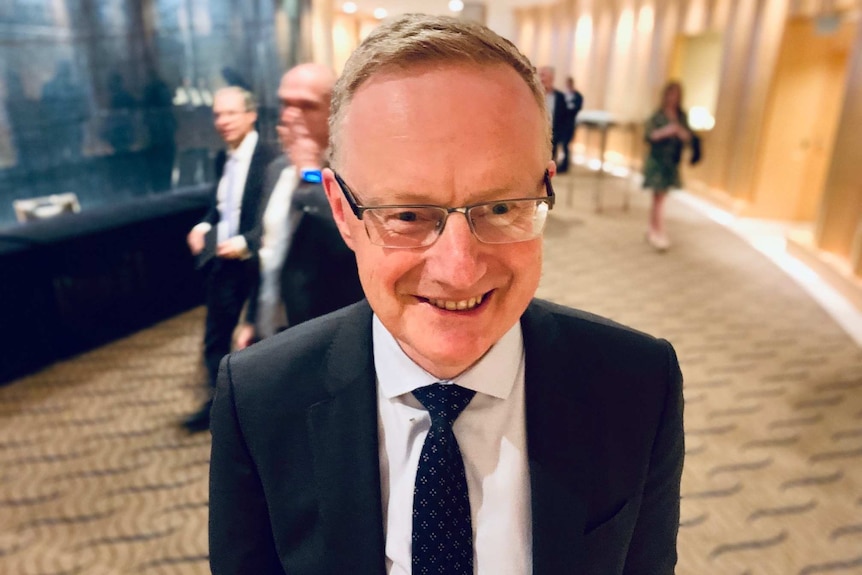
{"x": 97, "y": 478}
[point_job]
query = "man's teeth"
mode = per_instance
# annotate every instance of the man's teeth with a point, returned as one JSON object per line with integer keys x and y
{"x": 456, "y": 305}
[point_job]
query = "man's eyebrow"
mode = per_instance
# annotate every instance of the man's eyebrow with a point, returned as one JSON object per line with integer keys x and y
{"x": 406, "y": 197}
{"x": 384, "y": 198}
{"x": 304, "y": 98}
{"x": 512, "y": 191}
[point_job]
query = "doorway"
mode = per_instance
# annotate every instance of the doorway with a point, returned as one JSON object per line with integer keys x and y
{"x": 802, "y": 119}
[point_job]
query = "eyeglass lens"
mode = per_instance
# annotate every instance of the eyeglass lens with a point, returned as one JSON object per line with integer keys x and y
{"x": 495, "y": 223}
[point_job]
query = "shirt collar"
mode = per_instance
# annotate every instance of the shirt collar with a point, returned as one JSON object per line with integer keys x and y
{"x": 492, "y": 375}
{"x": 245, "y": 150}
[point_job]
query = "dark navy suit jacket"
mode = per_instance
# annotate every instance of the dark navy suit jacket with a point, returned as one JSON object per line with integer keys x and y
{"x": 295, "y": 476}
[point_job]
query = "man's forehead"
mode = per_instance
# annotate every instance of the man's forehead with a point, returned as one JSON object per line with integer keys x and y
{"x": 300, "y": 91}
{"x": 229, "y": 99}
{"x": 453, "y": 133}
{"x": 306, "y": 79}
{"x": 443, "y": 105}
{"x": 395, "y": 82}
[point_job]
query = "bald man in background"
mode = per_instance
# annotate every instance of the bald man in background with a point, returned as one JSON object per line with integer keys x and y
{"x": 306, "y": 268}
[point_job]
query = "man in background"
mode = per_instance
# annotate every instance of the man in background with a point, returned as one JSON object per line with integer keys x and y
{"x": 558, "y": 115}
{"x": 306, "y": 268}
{"x": 226, "y": 241}
{"x": 574, "y": 103}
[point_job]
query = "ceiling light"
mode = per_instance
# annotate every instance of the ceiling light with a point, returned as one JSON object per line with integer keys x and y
{"x": 380, "y": 13}
{"x": 349, "y": 7}
{"x": 456, "y": 5}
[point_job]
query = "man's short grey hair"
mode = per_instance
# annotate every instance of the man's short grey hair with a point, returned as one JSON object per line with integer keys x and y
{"x": 415, "y": 40}
{"x": 248, "y": 98}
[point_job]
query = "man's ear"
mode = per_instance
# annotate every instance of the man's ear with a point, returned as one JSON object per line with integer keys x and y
{"x": 340, "y": 210}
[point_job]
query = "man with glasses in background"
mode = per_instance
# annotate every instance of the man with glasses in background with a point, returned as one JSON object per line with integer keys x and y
{"x": 451, "y": 423}
{"x": 226, "y": 241}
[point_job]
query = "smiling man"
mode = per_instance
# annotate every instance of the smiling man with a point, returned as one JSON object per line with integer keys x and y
{"x": 451, "y": 423}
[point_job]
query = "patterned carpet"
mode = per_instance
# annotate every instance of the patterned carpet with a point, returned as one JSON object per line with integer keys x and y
{"x": 97, "y": 478}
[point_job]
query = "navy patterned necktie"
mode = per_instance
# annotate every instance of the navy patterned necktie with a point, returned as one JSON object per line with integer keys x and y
{"x": 442, "y": 529}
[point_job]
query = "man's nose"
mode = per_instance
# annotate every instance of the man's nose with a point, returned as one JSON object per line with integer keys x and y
{"x": 454, "y": 259}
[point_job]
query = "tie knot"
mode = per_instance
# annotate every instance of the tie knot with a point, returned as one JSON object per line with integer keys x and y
{"x": 444, "y": 402}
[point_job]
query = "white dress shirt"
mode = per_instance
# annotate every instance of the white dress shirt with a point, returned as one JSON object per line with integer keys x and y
{"x": 278, "y": 225}
{"x": 491, "y": 433}
{"x": 229, "y": 214}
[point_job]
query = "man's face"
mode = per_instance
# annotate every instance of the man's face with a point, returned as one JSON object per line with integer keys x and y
{"x": 304, "y": 99}
{"x": 232, "y": 121}
{"x": 410, "y": 138}
{"x": 546, "y": 75}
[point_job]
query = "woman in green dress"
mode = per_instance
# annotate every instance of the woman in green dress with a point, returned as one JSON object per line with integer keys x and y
{"x": 666, "y": 132}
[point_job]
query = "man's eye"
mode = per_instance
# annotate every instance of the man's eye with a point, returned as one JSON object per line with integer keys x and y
{"x": 406, "y": 216}
{"x": 500, "y": 209}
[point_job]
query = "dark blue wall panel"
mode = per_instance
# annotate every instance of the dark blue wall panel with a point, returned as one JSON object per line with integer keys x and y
{"x": 110, "y": 98}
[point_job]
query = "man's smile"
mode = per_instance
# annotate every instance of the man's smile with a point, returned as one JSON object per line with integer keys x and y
{"x": 467, "y": 304}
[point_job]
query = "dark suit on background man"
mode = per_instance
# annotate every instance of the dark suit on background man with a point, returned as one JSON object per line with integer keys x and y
{"x": 228, "y": 282}
{"x": 574, "y": 103}
{"x": 270, "y": 180}
{"x": 252, "y": 205}
{"x": 319, "y": 273}
{"x": 558, "y": 113}
{"x": 560, "y": 128}
{"x": 603, "y": 413}
{"x": 560, "y": 119}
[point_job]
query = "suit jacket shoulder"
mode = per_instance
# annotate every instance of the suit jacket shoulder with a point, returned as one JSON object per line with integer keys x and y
{"x": 307, "y": 363}
{"x": 294, "y": 473}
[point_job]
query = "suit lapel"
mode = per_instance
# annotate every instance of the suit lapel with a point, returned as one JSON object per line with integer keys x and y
{"x": 344, "y": 441}
{"x": 555, "y": 445}
{"x": 252, "y": 189}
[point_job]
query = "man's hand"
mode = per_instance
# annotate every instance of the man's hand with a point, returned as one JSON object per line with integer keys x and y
{"x": 302, "y": 149}
{"x": 305, "y": 153}
{"x": 232, "y": 249}
{"x": 196, "y": 240}
{"x": 246, "y": 336}
{"x": 285, "y": 136}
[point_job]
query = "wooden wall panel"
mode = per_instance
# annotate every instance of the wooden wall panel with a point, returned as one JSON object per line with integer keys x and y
{"x": 620, "y": 52}
{"x": 840, "y": 222}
